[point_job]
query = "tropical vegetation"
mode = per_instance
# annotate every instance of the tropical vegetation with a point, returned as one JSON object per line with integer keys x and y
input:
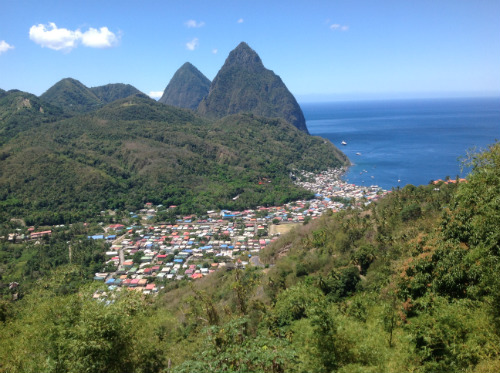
{"x": 406, "y": 284}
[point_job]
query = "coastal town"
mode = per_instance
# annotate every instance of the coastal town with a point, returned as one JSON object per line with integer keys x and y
{"x": 145, "y": 256}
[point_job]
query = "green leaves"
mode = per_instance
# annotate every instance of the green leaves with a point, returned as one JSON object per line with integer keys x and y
{"x": 294, "y": 303}
{"x": 474, "y": 217}
{"x": 76, "y": 333}
{"x": 227, "y": 348}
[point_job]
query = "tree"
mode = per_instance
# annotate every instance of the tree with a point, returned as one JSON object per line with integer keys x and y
{"x": 76, "y": 333}
{"x": 137, "y": 257}
{"x": 226, "y": 349}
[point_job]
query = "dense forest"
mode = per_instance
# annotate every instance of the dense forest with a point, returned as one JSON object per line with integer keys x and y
{"x": 59, "y": 168}
{"x": 76, "y": 151}
{"x": 408, "y": 284}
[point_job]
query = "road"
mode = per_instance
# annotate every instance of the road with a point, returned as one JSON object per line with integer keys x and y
{"x": 255, "y": 260}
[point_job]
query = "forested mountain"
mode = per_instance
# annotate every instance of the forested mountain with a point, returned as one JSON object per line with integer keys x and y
{"x": 112, "y": 92}
{"x": 136, "y": 150}
{"x": 187, "y": 88}
{"x": 72, "y": 96}
{"x": 75, "y": 98}
{"x": 20, "y": 111}
{"x": 244, "y": 85}
{"x": 408, "y": 284}
{"x": 77, "y": 150}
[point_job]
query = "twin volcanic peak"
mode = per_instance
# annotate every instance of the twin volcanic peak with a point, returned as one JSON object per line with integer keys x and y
{"x": 187, "y": 88}
{"x": 243, "y": 85}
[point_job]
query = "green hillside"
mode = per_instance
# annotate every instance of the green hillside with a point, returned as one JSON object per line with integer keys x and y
{"x": 136, "y": 150}
{"x": 72, "y": 96}
{"x": 112, "y": 92}
{"x": 75, "y": 98}
{"x": 409, "y": 284}
{"x": 20, "y": 111}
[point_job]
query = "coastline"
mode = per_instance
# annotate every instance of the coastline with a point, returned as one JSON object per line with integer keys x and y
{"x": 330, "y": 187}
{"x": 406, "y": 141}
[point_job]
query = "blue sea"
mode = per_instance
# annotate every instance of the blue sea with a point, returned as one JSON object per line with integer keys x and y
{"x": 394, "y": 143}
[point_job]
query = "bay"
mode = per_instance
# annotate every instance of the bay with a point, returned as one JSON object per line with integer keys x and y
{"x": 394, "y": 143}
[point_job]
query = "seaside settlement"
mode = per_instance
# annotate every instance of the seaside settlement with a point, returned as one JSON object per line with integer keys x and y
{"x": 145, "y": 256}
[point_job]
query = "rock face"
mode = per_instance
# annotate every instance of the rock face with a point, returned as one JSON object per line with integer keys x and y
{"x": 187, "y": 88}
{"x": 244, "y": 85}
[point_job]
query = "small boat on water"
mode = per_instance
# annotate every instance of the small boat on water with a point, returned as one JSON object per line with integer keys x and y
{"x": 343, "y": 142}
{"x": 358, "y": 153}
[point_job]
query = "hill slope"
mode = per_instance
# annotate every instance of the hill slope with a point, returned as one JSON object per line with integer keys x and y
{"x": 187, "y": 88}
{"x": 72, "y": 96}
{"x": 20, "y": 111}
{"x": 75, "y": 98}
{"x": 112, "y": 92}
{"x": 136, "y": 150}
{"x": 409, "y": 284}
{"x": 244, "y": 85}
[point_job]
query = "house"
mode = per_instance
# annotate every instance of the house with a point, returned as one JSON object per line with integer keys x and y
{"x": 96, "y": 237}
{"x": 116, "y": 227}
{"x": 36, "y": 235}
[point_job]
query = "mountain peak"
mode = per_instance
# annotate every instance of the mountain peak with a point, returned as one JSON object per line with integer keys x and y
{"x": 71, "y": 95}
{"x": 188, "y": 65}
{"x": 244, "y": 56}
{"x": 187, "y": 88}
{"x": 244, "y": 85}
{"x": 75, "y": 98}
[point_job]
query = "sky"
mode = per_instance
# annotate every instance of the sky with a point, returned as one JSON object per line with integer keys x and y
{"x": 323, "y": 50}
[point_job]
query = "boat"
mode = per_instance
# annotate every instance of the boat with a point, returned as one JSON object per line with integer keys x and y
{"x": 343, "y": 142}
{"x": 358, "y": 153}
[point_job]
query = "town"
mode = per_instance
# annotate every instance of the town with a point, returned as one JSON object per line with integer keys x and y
{"x": 145, "y": 256}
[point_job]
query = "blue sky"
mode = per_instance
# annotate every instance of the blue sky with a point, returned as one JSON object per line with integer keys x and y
{"x": 323, "y": 50}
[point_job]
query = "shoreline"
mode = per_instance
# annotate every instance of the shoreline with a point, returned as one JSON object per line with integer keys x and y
{"x": 328, "y": 186}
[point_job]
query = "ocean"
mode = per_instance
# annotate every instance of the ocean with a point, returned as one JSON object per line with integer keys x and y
{"x": 394, "y": 143}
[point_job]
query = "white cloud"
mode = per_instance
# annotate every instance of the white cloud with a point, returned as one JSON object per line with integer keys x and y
{"x": 4, "y": 46}
{"x": 215, "y": 50}
{"x": 156, "y": 94}
{"x": 192, "y": 45}
{"x": 241, "y": 20}
{"x": 102, "y": 38}
{"x": 338, "y": 27}
{"x": 193, "y": 24}
{"x": 52, "y": 37}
